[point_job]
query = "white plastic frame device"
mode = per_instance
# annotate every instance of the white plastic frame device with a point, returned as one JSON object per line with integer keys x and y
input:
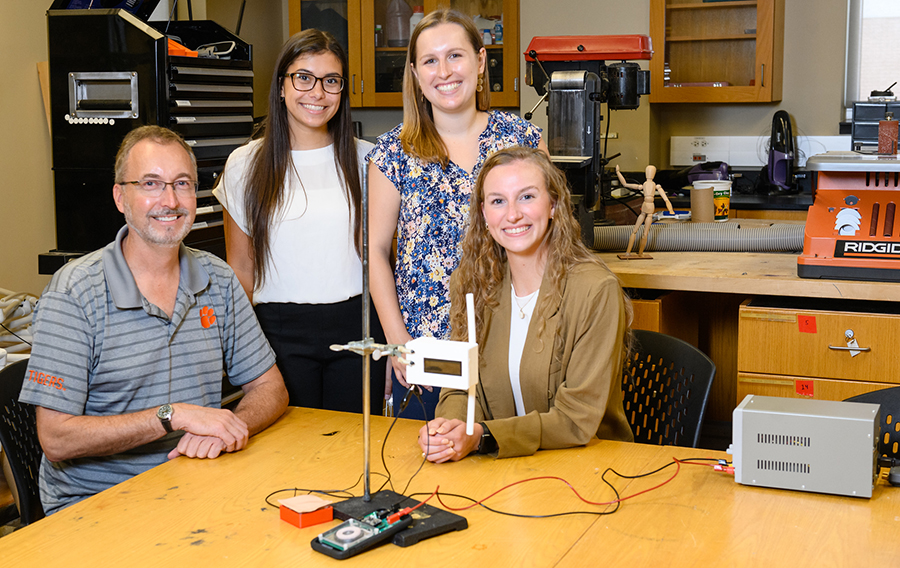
{"x": 443, "y": 363}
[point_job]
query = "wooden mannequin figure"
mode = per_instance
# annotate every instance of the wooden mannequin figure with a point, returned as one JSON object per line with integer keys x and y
{"x": 649, "y": 188}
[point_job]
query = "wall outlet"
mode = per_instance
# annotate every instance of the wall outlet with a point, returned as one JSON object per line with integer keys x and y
{"x": 746, "y": 151}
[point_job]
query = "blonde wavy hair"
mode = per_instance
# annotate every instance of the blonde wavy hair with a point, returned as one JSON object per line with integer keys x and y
{"x": 483, "y": 261}
{"x": 418, "y": 135}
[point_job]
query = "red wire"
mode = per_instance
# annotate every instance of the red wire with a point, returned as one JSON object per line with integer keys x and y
{"x": 426, "y": 500}
{"x": 677, "y": 469}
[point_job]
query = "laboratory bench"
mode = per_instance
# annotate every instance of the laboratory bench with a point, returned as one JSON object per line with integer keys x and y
{"x": 769, "y": 331}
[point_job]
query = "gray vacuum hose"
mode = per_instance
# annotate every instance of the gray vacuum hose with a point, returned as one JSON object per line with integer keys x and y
{"x": 705, "y": 237}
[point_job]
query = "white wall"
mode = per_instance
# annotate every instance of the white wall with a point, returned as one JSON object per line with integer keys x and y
{"x": 26, "y": 192}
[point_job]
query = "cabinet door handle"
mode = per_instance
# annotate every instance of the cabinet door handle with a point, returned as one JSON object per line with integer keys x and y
{"x": 353, "y": 83}
{"x": 839, "y": 348}
{"x": 762, "y": 75}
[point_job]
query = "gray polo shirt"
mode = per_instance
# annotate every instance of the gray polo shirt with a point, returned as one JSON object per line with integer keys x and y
{"x": 101, "y": 349}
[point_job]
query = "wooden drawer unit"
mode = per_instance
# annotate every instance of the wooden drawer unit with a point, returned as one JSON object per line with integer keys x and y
{"x": 664, "y": 312}
{"x": 800, "y": 387}
{"x": 798, "y": 347}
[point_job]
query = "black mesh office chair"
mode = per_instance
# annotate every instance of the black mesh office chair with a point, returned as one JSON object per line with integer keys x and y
{"x": 666, "y": 384}
{"x": 18, "y": 435}
{"x": 889, "y": 399}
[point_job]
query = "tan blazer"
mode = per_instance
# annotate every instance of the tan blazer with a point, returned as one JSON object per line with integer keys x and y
{"x": 571, "y": 375}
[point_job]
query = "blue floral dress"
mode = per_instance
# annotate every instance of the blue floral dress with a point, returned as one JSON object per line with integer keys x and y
{"x": 434, "y": 215}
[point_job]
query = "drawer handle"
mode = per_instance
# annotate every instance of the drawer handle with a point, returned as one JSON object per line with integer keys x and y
{"x": 838, "y": 348}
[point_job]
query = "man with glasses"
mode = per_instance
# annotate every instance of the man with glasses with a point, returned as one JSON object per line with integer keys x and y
{"x": 131, "y": 341}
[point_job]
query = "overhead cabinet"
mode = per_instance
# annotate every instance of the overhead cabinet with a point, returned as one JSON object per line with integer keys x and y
{"x": 376, "y": 68}
{"x": 716, "y": 51}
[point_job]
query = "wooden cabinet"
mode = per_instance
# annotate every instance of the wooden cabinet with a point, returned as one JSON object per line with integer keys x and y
{"x": 799, "y": 348}
{"x": 716, "y": 51}
{"x": 665, "y": 312}
{"x": 376, "y": 73}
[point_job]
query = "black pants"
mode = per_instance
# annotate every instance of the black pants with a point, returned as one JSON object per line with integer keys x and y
{"x": 316, "y": 376}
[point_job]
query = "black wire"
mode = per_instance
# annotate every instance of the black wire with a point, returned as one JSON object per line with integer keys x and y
{"x": 624, "y": 201}
{"x": 409, "y": 393}
{"x": 329, "y": 492}
{"x": 427, "y": 446}
{"x": 568, "y": 513}
{"x": 16, "y": 335}
{"x": 334, "y": 492}
{"x": 171, "y": 14}
{"x": 383, "y": 462}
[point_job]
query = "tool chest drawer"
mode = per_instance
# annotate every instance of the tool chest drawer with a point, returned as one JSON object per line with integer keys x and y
{"x": 833, "y": 339}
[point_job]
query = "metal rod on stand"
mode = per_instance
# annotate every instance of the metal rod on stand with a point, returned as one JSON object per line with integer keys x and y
{"x": 367, "y": 363}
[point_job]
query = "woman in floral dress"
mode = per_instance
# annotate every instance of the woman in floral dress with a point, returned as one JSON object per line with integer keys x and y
{"x": 421, "y": 177}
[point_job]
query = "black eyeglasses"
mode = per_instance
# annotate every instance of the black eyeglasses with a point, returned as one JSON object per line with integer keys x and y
{"x": 156, "y": 187}
{"x": 307, "y": 82}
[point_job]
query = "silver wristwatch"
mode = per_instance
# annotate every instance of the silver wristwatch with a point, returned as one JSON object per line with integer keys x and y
{"x": 164, "y": 414}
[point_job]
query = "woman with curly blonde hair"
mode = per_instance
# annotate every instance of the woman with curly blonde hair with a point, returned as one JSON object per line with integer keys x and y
{"x": 551, "y": 320}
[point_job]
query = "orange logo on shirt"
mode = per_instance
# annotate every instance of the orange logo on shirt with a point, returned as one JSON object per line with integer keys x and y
{"x": 207, "y": 317}
{"x": 46, "y": 379}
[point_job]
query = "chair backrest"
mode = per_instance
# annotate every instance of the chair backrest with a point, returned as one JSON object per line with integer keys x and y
{"x": 666, "y": 384}
{"x": 18, "y": 435}
{"x": 889, "y": 399}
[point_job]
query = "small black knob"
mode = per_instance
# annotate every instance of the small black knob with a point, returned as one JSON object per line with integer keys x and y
{"x": 580, "y": 48}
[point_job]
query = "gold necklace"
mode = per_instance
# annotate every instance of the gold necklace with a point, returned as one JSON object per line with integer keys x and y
{"x": 521, "y": 306}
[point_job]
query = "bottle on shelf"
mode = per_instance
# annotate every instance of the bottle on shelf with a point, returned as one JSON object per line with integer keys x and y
{"x": 417, "y": 15}
{"x": 379, "y": 36}
{"x": 397, "y": 23}
{"x": 498, "y": 33}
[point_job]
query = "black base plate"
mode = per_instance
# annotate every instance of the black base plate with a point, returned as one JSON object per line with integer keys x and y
{"x": 428, "y": 521}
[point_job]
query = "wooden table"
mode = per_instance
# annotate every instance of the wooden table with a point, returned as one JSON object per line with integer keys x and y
{"x": 193, "y": 513}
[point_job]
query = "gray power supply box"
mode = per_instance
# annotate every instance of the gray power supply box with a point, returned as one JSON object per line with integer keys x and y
{"x": 820, "y": 446}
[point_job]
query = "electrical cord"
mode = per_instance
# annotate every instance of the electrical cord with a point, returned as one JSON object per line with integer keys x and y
{"x": 209, "y": 49}
{"x": 346, "y": 492}
{"x": 676, "y": 462}
{"x": 624, "y": 200}
{"x": 329, "y": 492}
{"x": 16, "y": 335}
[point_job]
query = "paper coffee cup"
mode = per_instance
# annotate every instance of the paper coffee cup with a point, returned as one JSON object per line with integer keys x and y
{"x": 702, "y": 206}
{"x": 721, "y": 198}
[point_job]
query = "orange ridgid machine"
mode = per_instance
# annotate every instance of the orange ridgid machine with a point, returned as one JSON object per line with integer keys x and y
{"x": 852, "y": 230}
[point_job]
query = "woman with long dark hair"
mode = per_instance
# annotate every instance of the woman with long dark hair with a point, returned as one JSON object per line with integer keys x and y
{"x": 551, "y": 321}
{"x": 422, "y": 174}
{"x": 292, "y": 225}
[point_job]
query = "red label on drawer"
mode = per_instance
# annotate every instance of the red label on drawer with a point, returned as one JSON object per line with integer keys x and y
{"x": 804, "y": 388}
{"x": 807, "y": 324}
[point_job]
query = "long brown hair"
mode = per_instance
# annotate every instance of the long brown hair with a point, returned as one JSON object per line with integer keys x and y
{"x": 265, "y": 193}
{"x": 419, "y": 136}
{"x": 483, "y": 261}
